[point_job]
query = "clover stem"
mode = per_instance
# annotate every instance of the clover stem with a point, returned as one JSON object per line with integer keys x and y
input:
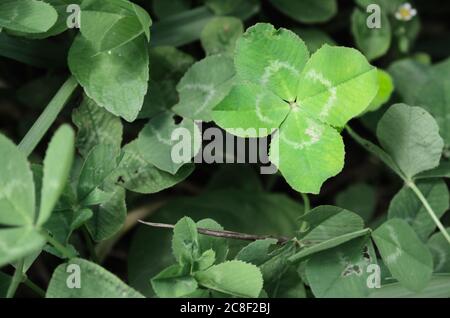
{"x": 90, "y": 244}
{"x": 38, "y": 290}
{"x": 306, "y": 202}
{"x": 304, "y": 225}
{"x": 429, "y": 209}
{"x": 410, "y": 183}
{"x": 58, "y": 246}
{"x": 48, "y": 116}
{"x": 16, "y": 279}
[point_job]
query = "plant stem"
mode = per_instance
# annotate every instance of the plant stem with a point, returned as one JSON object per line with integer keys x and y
{"x": 61, "y": 248}
{"x": 429, "y": 209}
{"x": 304, "y": 225}
{"x": 46, "y": 119}
{"x": 38, "y": 290}
{"x": 410, "y": 183}
{"x": 224, "y": 234}
{"x": 90, "y": 244}
{"x": 306, "y": 202}
{"x": 16, "y": 279}
{"x": 27, "y": 145}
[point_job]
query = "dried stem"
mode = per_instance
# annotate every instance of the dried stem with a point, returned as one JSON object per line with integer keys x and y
{"x": 224, "y": 234}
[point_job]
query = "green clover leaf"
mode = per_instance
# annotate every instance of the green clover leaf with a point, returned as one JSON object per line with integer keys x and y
{"x": 277, "y": 87}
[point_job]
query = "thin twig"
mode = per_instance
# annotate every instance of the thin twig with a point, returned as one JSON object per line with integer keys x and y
{"x": 224, "y": 234}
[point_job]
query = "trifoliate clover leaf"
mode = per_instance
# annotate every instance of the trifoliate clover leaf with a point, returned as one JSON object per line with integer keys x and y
{"x": 277, "y": 87}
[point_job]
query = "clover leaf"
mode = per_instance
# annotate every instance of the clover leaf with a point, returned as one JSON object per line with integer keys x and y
{"x": 112, "y": 49}
{"x": 203, "y": 86}
{"x": 169, "y": 145}
{"x": 277, "y": 87}
{"x": 23, "y": 212}
{"x": 27, "y": 16}
{"x": 109, "y": 25}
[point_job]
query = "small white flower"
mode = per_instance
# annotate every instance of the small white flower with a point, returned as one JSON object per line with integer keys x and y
{"x": 405, "y": 12}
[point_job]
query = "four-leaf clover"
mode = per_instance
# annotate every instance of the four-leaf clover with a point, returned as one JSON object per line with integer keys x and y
{"x": 279, "y": 87}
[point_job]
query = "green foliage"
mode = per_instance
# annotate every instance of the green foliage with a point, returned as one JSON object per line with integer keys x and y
{"x": 95, "y": 126}
{"x": 373, "y": 42}
{"x": 436, "y": 288}
{"x": 156, "y": 144}
{"x": 124, "y": 82}
{"x": 359, "y": 197}
{"x": 136, "y": 174}
{"x": 326, "y": 222}
{"x": 236, "y": 209}
{"x": 110, "y": 26}
{"x": 57, "y": 165}
{"x": 23, "y": 235}
{"x": 203, "y": 86}
{"x": 234, "y": 277}
{"x": 417, "y": 132}
{"x": 308, "y": 11}
{"x": 112, "y": 31}
{"x": 195, "y": 267}
{"x": 386, "y": 87}
{"x": 164, "y": 9}
{"x": 377, "y": 30}
{"x": 17, "y": 188}
{"x": 405, "y": 205}
{"x": 73, "y": 202}
{"x": 426, "y": 86}
{"x": 407, "y": 258}
{"x": 256, "y": 252}
{"x": 220, "y": 35}
{"x": 96, "y": 282}
{"x": 342, "y": 271}
{"x": 27, "y": 16}
{"x": 304, "y": 99}
{"x": 441, "y": 254}
{"x": 314, "y": 38}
